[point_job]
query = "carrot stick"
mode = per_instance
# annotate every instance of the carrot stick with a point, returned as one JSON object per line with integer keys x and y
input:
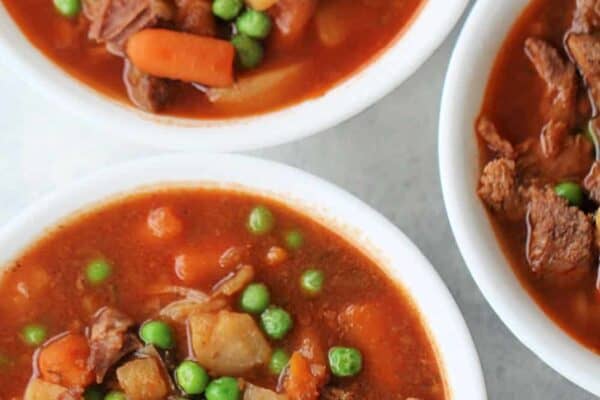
{"x": 182, "y": 56}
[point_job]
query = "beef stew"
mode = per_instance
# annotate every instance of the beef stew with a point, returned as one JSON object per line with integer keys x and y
{"x": 538, "y": 135}
{"x": 212, "y": 58}
{"x": 184, "y": 293}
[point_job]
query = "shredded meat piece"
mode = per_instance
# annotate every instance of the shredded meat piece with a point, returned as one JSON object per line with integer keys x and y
{"x": 560, "y": 238}
{"x": 591, "y": 183}
{"x": 109, "y": 340}
{"x": 488, "y": 132}
{"x": 195, "y": 16}
{"x": 585, "y": 50}
{"x": 235, "y": 282}
{"x": 573, "y": 161}
{"x": 499, "y": 189}
{"x": 145, "y": 91}
{"x": 113, "y": 21}
{"x": 333, "y": 393}
{"x": 586, "y": 17}
{"x": 559, "y": 108}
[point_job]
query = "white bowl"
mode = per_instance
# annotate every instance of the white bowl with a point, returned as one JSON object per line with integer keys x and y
{"x": 394, "y": 65}
{"x": 338, "y": 210}
{"x": 472, "y": 61}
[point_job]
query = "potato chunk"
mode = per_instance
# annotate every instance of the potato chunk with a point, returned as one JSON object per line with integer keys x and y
{"x": 142, "y": 380}
{"x": 38, "y": 389}
{"x": 228, "y": 343}
{"x": 257, "y": 393}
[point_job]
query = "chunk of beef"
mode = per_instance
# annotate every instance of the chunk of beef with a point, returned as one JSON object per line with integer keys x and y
{"x": 499, "y": 189}
{"x": 195, "y": 16}
{"x": 561, "y": 83}
{"x": 586, "y": 17}
{"x": 334, "y": 393}
{"x": 560, "y": 238}
{"x": 113, "y": 21}
{"x": 147, "y": 92}
{"x": 488, "y": 132}
{"x": 109, "y": 340}
{"x": 591, "y": 183}
{"x": 585, "y": 50}
{"x": 572, "y": 162}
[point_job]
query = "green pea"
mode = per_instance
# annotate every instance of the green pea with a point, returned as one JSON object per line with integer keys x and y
{"x": 34, "y": 334}
{"x": 344, "y": 361}
{"x": 260, "y": 220}
{"x": 571, "y": 192}
{"x": 68, "y": 8}
{"x": 158, "y": 334}
{"x": 294, "y": 240}
{"x": 276, "y": 322}
{"x": 227, "y": 9}
{"x": 249, "y": 52}
{"x": 255, "y": 298}
{"x": 191, "y": 377}
{"x": 279, "y": 359}
{"x": 93, "y": 393}
{"x": 98, "y": 271}
{"x": 115, "y": 395}
{"x": 312, "y": 281}
{"x": 225, "y": 388}
{"x": 253, "y": 23}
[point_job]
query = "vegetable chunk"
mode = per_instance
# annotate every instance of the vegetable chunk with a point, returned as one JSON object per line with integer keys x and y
{"x": 142, "y": 380}
{"x": 64, "y": 361}
{"x": 228, "y": 343}
{"x": 39, "y": 389}
{"x": 257, "y": 393}
{"x": 182, "y": 56}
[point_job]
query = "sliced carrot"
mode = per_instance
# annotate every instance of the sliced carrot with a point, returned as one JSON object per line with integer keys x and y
{"x": 300, "y": 383}
{"x": 182, "y": 56}
{"x": 64, "y": 362}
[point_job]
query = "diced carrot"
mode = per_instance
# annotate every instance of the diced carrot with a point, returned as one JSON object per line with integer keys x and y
{"x": 291, "y": 19}
{"x": 64, "y": 362}
{"x": 163, "y": 223}
{"x": 200, "y": 265}
{"x": 366, "y": 327}
{"x": 183, "y": 56}
{"x": 300, "y": 383}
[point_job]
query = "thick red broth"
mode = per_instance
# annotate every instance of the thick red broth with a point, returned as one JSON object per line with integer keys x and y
{"x": 189, "y": 259}
{"x": 312, "y": 46}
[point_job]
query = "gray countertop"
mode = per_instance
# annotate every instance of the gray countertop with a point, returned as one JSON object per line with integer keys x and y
{"x": 386, "y": 156}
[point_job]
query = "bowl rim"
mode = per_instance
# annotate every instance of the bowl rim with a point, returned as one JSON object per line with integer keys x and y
{"x": 381, "y": 75}
{"x": 466, "y": 81}
{"x": 300, "y": 191}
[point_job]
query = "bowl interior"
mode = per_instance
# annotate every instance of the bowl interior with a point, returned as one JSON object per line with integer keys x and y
{"x": 336, "y": 209}
{"x": 472, "y": 61}
{"x": 380, "y": 76}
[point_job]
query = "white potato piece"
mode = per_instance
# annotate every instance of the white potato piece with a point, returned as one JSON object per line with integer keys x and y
{"x": 142, "y": 379}
{"x": 260, "y": 5}
{"x": 228, "y": 343}
{"x": 262, "y": 87}
{"x": 38, "y": 389}
{"x": 257, "y": 393}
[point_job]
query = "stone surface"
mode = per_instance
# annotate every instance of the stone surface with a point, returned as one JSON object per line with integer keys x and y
{"x": 387, "y": 156}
